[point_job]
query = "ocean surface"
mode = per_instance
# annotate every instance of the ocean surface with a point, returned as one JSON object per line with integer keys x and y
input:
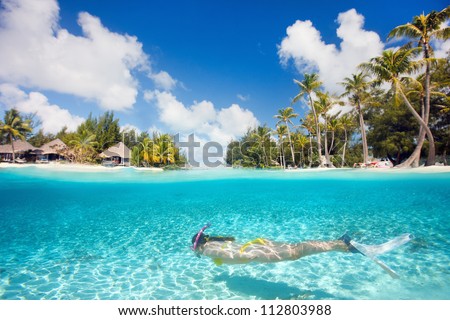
{"x": 126, "y": 234}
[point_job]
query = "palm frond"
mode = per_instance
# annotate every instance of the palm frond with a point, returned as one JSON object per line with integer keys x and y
{"x": 407, "y": 30}
{"x": 442, "y": 34}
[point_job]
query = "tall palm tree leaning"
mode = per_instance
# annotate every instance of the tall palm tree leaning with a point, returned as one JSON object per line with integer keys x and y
{"x": 356, "y": 88}
{"x": 390, "y": 67}
{"x": 423, "y": 29}
{"x": 309, "y": 85}
{"x": 285, "y": 116}
{"x": 14, "y": 127}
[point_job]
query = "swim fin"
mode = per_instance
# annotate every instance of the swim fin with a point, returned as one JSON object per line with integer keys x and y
{"x": 362, "y": 248}
{"x": 372, "y": 251}
{"x": 346, "y": 238}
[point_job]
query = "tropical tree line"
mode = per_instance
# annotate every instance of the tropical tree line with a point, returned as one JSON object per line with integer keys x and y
{"x": 399, "y": 104}
{"x": 399, "y": 110}
{"x": 92, "y": 137}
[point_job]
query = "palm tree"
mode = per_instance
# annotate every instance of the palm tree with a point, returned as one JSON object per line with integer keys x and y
{"x": 165, "y": 147}
{"x": 356, "y": 87}
{"x": 323, "y": 105}
{"x": 390, "y": 67}
{"x": 261, "y": 135}
{"x": 84, "y": 144}
{"x": 301, "y": 141}
{"x": 285, "y": 116}
{"x": 308, "y": 86}
{"x": 14, "y": 127}
{"x": 334, "y": 125}
{"x": 423, "y": 29}
{"x": 136, "y": 156}
{"x": 346, "y": 123}
{"x": 281, "y": 132}
{"x": 308, "y": 124}
{"x": 419, "y": 91}
{"x": 150, "y": 151}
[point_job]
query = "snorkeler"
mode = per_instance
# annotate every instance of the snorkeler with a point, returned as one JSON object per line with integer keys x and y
{"x": 224, "y": 250}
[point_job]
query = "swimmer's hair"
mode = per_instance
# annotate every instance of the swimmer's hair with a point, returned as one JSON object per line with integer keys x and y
{"x": 220, "y": 238}
{"x": 205, "y": 238}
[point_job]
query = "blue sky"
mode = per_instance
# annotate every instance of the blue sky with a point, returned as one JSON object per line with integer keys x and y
{"x": 210, "y": 67}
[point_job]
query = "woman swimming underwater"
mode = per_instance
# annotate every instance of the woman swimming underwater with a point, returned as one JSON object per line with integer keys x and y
{"x": 224, "y": 250}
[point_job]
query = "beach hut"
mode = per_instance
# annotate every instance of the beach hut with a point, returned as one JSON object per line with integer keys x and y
{"x": 23, "y": 150}
{"x": 51, "y": 151}
{"x": 118, "y": 154}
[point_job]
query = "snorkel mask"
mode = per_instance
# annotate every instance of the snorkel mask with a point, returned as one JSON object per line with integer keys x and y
{"x": 197, "y": 238}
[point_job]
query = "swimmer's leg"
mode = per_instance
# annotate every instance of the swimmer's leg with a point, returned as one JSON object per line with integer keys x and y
{"x": 307, "y": 248}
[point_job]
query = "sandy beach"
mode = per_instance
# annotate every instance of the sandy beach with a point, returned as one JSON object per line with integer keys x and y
{"x": 99, "y": 168}
{"x": 72, "y": 167}
{"x": 422, "y": 169}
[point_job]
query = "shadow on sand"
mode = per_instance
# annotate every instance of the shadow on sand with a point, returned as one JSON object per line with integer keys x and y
{"x": 266, "y": 290}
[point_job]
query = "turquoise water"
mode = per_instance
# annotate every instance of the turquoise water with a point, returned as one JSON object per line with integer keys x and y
{"x": 125, "y": 234}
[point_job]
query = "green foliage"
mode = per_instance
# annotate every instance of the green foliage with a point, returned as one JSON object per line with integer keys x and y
{"x": 255, "y": 149}
{"x": 107, "y": 132}
{"x": 392, "y": 132}
{"x": 136, "y": 159}
{"x": 84, "y": 147}
{"x": 14, "y": 127}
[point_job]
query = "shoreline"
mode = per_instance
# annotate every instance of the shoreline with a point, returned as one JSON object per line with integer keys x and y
{"x": 422, "y": 169}
{"x": 72, "y": 167}
{"x": 100, "y": 168}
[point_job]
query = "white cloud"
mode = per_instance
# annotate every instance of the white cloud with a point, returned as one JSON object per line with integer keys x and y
{"x": 442, "y": 48}
{"x": 243, "y": 97}
{"x": 129, "y": 127}
{"x": 37, "y": 53}
{"x": 53, "y": 118}
{"x": 304, "y": 45}
{"x": 163, "y": 80}
{"x": 202, "y": 117}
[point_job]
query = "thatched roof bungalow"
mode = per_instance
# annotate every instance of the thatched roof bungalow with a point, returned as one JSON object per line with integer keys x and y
{"x": 21, "y": 148}
{"x": 52, "y": 151}
{"x": 119, "y": 154}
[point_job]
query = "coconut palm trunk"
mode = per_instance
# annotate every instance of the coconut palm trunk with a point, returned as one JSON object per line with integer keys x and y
{"x": 431, "y": 159}
{"x": 318, "y": 133}
{"x": 363, "y": 134}
{"x": 290, "y": 143}
{"x": 282, "y": 159}
{"x": 424, "y": 127}
{"x": 310, "y": 150}
{"x": 327, "y": 154}
{"x": 344, "y": 148}
{"x": 12, "y": 147}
